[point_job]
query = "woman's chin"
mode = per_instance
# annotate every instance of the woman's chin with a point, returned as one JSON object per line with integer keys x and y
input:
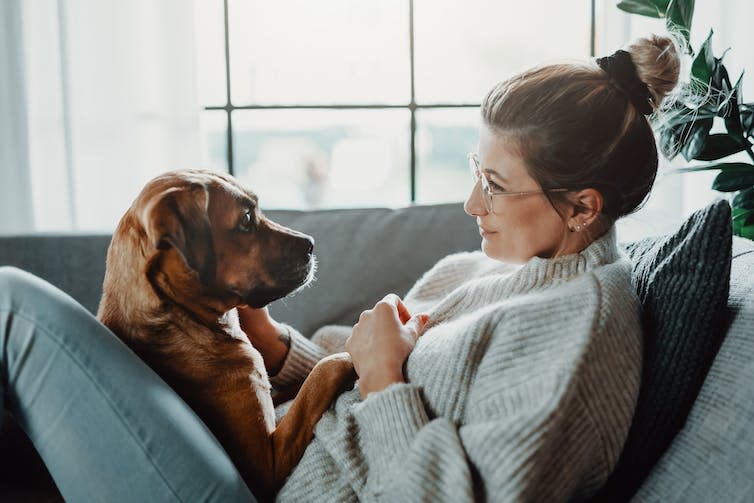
{"x": 495, "y": 252}
{"x": 489, "y": 249}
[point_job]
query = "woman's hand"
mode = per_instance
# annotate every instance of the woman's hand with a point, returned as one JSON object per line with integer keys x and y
{"x": 381, "y": 341}
{"x": 268, "y": 336}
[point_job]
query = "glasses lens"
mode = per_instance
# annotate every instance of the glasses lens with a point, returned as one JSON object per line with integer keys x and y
{"x": 488, "y": 200}
{"x": 476, "y": 175}
{"x": 486, "y": 192}
{"x": 473, "y": 168}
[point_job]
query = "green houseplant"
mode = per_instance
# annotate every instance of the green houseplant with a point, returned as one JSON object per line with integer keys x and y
{"x": 708, "y": 96}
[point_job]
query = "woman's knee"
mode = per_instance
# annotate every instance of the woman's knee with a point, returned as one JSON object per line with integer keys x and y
{"x": 23, "y": 292}
{"x": 14, "y": 282}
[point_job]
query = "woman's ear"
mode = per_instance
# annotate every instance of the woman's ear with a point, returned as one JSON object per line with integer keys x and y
{"x": 587, "y": 206}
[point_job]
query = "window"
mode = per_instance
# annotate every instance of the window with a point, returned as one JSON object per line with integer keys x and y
{"x": 355, "y": 102}
{"x": 312, "y": 103}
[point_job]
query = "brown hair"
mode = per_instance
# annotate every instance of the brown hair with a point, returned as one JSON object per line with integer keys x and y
{"x": 575, "y": 128}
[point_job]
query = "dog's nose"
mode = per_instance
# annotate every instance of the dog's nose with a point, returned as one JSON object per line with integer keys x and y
{"x": 300, "y": 244}
{"x": 309, "y": 244}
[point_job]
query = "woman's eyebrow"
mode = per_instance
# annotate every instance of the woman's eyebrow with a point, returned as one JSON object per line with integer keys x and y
{"x": 497, "y": 175}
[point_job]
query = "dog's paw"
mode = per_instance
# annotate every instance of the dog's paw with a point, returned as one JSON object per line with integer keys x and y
{"x": 340, "y": 357}
{"x": 337, "y": 367}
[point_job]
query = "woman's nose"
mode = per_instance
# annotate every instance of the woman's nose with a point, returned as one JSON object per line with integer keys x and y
{"x": 474, "y": 204}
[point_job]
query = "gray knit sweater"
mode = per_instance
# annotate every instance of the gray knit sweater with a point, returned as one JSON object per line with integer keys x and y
{"x": 522, "y": 388}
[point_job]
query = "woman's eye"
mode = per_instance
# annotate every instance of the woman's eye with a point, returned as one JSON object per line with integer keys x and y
{"x": 495, "y": 187}
{"x": 245, "y": 223}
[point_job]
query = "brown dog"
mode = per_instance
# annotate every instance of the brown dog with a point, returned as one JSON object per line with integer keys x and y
{"x": 191, "y": 248}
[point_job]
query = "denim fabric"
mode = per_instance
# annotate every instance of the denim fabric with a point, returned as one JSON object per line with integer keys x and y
{"x": 107, "y": 427}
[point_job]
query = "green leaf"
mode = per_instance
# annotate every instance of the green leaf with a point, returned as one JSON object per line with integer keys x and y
{"x": 743, "y": 218}
{"x": 668, "y": 143}
{"x": 738, "y": 215}
{"x": 704, "y": 63}
{"x": 729, "y": 166}
{"x": 650, "y": 8}
{"x": 718, "y": 146}
{"x": 737, "y": 167}
{"x": 747, "y": 119}
{"x": 720, "y": 80}
{"x": 693, "y": 143}
{"x": 734, "y": 179}
{"x": 670, "y": 139}
{"x": 679, "y": 15}
{"x": 745, "y": 232}
{"x": 744, "y": 199}
{"x": 681, "y": 114}
{"x": 733, "y": 114}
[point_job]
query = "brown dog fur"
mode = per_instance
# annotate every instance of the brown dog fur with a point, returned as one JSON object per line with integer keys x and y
{"x": 180, "y": 261}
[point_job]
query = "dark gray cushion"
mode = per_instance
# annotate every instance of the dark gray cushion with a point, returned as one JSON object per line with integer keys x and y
{"x": 711, "y": 458}
{"x": 682, "y": 281}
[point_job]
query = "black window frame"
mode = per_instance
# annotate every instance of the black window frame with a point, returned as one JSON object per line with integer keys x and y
{"x": 412, "y": 106}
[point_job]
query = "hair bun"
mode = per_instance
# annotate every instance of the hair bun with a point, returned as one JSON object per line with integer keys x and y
{"x": 621, "y": 71}
{"x": 657, "y": 65}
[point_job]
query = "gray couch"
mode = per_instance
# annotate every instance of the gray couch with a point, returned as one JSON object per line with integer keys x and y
{"x": 365, "y": 253}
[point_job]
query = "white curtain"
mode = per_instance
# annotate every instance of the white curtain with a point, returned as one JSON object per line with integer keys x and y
{"x": 15, "y": 186}
{"x": 103, "y": 97}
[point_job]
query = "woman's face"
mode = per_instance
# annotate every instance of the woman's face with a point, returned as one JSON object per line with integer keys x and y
{"x": 520, "y": 227}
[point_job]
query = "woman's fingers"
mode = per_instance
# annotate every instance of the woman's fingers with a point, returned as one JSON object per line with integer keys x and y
{"x": 403, "y": 314}
{"x": 415, "y": 325}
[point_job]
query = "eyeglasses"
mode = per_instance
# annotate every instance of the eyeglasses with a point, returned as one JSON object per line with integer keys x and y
{"x": 491, "y": 189}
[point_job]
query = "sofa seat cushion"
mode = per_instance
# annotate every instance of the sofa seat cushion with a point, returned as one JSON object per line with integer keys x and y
{"x": 682, "y": 280}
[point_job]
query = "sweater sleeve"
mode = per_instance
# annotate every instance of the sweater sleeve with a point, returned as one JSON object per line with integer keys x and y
{"x": 529, "y": 445}
{"x": 304, "y": 353}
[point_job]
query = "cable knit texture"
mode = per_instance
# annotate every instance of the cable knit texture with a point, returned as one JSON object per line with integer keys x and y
{"x": 522, "y": 388}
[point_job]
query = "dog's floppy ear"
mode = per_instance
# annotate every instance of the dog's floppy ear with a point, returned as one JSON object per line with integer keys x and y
{"x": 177, "y": 218}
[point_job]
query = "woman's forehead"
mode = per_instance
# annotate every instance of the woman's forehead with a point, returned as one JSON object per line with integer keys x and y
{"x": 498, "y": 155}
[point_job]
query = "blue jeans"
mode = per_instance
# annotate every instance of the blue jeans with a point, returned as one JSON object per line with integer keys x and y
{"x": 107, "y": 427}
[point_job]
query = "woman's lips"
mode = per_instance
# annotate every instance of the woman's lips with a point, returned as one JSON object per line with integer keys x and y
{"x": 484, "y": 232}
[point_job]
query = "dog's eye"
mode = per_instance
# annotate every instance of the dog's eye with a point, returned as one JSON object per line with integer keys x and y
{"x": 245, "y": 224}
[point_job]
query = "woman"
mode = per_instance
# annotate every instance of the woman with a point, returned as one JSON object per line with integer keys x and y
{"x": 506, "y": 374}
{"x": 523, "y": 381}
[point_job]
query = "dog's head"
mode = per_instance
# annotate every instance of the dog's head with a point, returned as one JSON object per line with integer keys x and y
{"x": 207, "y": 243}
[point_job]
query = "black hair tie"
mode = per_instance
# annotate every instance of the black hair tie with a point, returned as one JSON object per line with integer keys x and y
{"x": 622, "y": 73}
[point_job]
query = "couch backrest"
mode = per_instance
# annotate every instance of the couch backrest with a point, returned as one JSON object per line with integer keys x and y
{"x": 73, "y": 263}
{"x": 363, "y": 254}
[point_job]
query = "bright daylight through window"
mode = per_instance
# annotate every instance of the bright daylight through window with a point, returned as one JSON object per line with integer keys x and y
{"x": 313, "y": 104}
{"x": 323, "y": 93}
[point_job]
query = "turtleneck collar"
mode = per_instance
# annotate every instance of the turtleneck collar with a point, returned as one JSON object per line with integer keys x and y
{"x": 497, "y": 282}
{"x": 603, "y": 250}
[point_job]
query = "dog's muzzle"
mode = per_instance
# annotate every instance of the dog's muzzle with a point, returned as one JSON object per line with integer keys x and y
{"x": 288, "y": 281}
